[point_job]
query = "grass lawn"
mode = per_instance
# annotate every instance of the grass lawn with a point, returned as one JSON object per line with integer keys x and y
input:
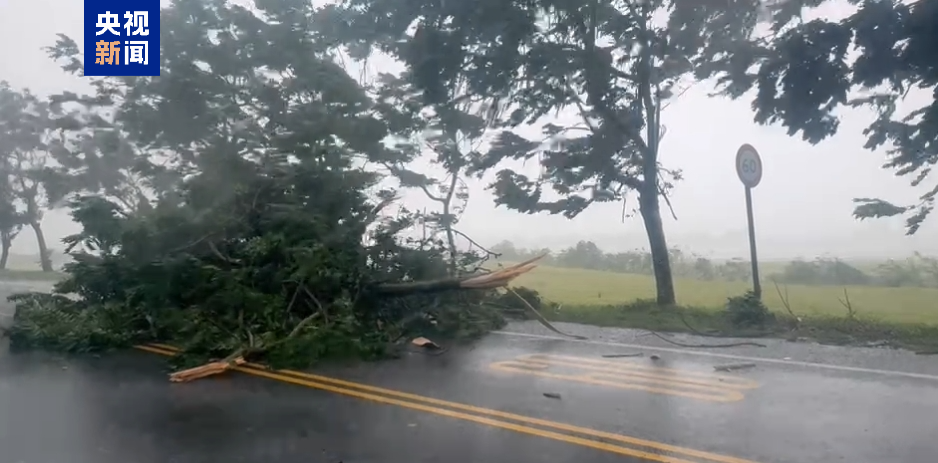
{"x": 29, "y": 275}
{"x": 579, "y": 287}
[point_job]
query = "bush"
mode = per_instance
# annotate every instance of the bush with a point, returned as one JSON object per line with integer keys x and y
{"x": 823, "y": 272}
{"x": 748, "y": 311}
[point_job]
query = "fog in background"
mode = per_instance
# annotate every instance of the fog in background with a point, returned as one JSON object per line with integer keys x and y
{"x": 802, "y": 207}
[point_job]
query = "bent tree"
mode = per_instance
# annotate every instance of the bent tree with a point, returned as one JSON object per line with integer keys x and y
{"x": 27, "y": 135}
{"x": 11, "y": 218}
{"x": 613, "y": 63}
{"x": 449, "y": 136}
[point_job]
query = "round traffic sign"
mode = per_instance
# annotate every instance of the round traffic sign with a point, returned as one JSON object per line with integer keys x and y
{"x": 748, "y": 166}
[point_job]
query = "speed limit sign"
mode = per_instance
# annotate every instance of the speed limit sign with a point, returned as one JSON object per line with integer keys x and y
{"x": 748, "y": 166}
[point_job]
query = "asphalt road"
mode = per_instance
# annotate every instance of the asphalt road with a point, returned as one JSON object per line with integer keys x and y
{"x": 516, "y": 396}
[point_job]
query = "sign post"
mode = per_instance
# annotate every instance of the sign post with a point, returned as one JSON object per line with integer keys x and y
{"x": 749, "y": 170}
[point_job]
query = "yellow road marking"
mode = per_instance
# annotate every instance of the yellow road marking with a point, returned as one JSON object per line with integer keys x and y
{"x": 669, "y": 379}
{"x": 631, "y": 366}
{"x": 422, "y": 403}
{"x": 622, "y": 382}
{"x": 630, "y": 375}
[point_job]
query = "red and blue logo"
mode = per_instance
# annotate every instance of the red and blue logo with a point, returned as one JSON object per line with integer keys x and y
{"x": 122, "y": 38}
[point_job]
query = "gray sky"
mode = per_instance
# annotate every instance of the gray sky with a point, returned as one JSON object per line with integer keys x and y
{"x": 802, "y": 207}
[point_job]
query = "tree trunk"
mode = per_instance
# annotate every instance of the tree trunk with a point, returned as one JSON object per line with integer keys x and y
{"x": 6, "y": 242}
{"x": 496, "y": 279}
{"x": 450, "y": 237}
{"x": 649, "y": 206}
{"x": 450, "y": 241}
{"x": 44, "y": 258}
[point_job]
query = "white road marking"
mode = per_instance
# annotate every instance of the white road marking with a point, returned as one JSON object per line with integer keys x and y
{"x": 727, "y": 356}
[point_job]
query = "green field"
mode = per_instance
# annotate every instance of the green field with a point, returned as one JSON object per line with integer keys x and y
{"x": 579, "y": 287}
{"x": 29, "y": 275}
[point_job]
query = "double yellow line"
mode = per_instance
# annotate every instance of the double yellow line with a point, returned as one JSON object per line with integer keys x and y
{"x": 630, "y": 375}
{"x": 599, "y": 440}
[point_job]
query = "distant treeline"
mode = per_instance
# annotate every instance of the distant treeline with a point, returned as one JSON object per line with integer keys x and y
{"x": 916, "y": 271}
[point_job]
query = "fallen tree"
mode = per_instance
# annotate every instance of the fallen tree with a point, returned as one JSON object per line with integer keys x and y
{"x": 230, "y": 207}
{"x": 283, "y": 284}
{"x": 499, "y": 278}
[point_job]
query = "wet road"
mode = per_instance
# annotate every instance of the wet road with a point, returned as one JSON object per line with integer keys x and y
{"x": 508, "y": 398}
{"x": 516, "y": 396}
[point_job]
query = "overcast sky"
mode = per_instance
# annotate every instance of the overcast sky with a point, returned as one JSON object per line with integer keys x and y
{"x": 802, "y": 207}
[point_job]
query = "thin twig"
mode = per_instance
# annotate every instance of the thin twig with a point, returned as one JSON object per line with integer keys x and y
{"x": 218, "y": 253}
{"x": 541, "y": 318}
{"x": 785, "y": 302}
{"x": 851, "y": 314}
{"x": 474, "y": 243}
{"x": 296, "y": 293}
{"x": 318, "y": 304}
{"x": 187, "y": 246}
{"x": 667, "y": 201}
{"x": 715, "y": 335}
{"x": 732, "y": 344}
{"x": 299, "y": 326}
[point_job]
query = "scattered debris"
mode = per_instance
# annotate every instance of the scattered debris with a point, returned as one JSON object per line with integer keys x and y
{"x": 424, "y": 342}
{"x": 540, "y": 318}
{"x": 703, "y": 346}
{"x": 654, "y": 357}
{"x": 616, "y": 356}
{"x": 878, "y": 344}
{"x": 428, "y": 347}
{"x": 552, "y": 395}
{"x": 734, "y": 366}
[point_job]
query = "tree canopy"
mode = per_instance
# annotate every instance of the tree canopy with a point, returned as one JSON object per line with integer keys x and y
{"x": 236, "y": 205}
{"x": 228, "y": 206}
{"x": 804, "y": 72}
{"x": 615, "y": 64}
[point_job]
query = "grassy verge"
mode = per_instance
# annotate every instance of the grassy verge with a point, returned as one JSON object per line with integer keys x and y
{"x": 710, "y": 322}
{"x": 901, "y": 317}
{"x": 29, "y": 275}
{"x": 578, "y": 287}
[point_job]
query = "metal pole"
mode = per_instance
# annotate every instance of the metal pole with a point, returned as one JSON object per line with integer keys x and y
{"x": 756, "y": 285}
